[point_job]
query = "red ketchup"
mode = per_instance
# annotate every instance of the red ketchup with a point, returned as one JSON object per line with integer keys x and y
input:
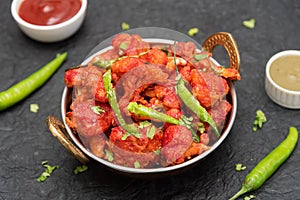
{"x": 48, "y": 12}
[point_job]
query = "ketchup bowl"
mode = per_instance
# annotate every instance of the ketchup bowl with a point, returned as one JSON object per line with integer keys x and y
{"x": 40, "y": 20}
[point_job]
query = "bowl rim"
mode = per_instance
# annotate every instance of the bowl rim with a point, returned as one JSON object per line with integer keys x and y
{"x": 268, "y": 66}
{"x": 77, "y": 141}
{"x": 15, "y": 13}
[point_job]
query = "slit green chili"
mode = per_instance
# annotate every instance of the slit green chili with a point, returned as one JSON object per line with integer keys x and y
{"x": 142, "y": 110}
{"x": 112, "y": 100}
{"x": 22, "y": 89}
{"x": 191, "y": 102}
{"x": 267, "y": 166}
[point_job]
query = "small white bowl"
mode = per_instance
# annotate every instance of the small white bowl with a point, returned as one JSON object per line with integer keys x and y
{"x": 280, "y": 95}
{"x": 51, "y": 33}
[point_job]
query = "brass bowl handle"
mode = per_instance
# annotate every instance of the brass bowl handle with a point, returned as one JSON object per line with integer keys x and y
{"x": 227, "y": 41}
{"x": 58, "y": 130}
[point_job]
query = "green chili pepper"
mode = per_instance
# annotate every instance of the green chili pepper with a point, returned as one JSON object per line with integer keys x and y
{"x": 266, "y": 167}
{"x": 22, "y": 89}
{"x": 142, "y": 110}
{"x": 191, "y": 102}
{"x": 112, "y": 100}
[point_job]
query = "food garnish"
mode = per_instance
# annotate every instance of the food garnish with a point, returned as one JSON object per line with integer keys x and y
{"x": 109, "y": 155}
{"x": 249, "y": 23}
{"x": 125, "y": 26}
{"x": 34, "y": 107}
{"x": 259, "y": 120}
{"x": 137, "y": 164}
{"x": 22, "y": 89}
{"x": 48, "y": 171}
{"x": 80, "y": 169}
{"x": 97, "y": 109}
{"x": 193, "y": 31}
{"x": 268, "y": 165}
{"x": 249, "y": 197}
{"x": 239, "y": 167}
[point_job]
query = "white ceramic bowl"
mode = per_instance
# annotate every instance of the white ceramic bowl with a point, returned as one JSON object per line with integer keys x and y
{"x": 52, "y": 33}
{"x": 282, "y": 96}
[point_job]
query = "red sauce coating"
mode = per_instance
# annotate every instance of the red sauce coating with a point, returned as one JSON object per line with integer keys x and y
{"x": 48, "y": 12}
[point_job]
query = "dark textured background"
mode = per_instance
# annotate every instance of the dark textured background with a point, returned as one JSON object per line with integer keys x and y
{"x": 25, "y": 141}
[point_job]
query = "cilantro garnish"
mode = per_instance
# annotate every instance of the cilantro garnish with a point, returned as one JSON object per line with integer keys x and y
{"x": 137, "y": 164}
{"x": 97, "y": 110}
{"x": 144, "y": 124}
{"x": 109, "y": 155}
{"x": 249, "y": 23}
{"x": 80, "y": 169}
{"x": 151, "y": 132}
{"x": 49, "y": 169}
{"x": 259, "y": 120}
{"x": 125, "y": 26}
{"x": 239, "y": 167}
{"x": 249, "y": 197}
{"x": 198, "y": 57}
{"x": 34, "y": 107}
{"x": 193, "y": 31}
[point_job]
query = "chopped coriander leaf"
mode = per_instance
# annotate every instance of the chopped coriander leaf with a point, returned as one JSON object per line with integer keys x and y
{"x": 97, "y": 110}
{"x": 151, "y": 132}
{"x": 201, "y": 127}
{"x": 125, "y": 26}
{"x": 198, "y": 57}
{"x": 239, "y": 167}
{"x": 34, "y": 107}
{"x": 157, "y": 152}
{"x": 49, "y": 169}
{"x": 80, "y": 168}
{"x": 144, "y": 124}
{"x": 259, "y": 120}
{"x": 124, "y": 137}
{"x": 137, "y": 164}
{"x": 123, "y": 46}
{"x": 109, "y": 155}
{"x": 249, "y": 197}
{"x": 193, "y": 31}
{"x": 249, "y": 23}
{"x": 104, "y": 64}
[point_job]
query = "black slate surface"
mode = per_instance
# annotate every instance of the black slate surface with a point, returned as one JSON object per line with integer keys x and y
{"x": 25, "y": 140}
